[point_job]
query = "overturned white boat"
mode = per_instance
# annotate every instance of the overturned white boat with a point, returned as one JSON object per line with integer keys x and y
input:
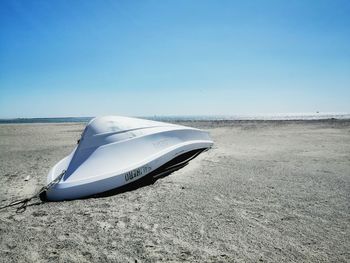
{"x": 114, "y": 151}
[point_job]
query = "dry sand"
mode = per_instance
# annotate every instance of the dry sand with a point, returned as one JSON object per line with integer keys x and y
{"x": 267, "y": 191}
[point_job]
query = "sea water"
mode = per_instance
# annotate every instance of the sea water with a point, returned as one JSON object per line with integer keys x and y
{"x": 291, "y": 116}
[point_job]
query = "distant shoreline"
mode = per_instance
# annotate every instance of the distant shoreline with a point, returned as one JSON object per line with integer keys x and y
{"x": 276, "y": 117}
{"x": 45, "y": 120}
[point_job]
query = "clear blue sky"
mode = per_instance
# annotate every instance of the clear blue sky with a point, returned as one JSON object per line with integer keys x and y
{"x": 191, "y": 57}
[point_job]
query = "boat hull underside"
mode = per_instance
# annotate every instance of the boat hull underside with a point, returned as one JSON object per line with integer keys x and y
{"x": 108, "y": 187}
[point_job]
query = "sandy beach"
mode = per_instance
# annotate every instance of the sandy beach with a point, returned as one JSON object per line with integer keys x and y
{"x": 268, "y": 191}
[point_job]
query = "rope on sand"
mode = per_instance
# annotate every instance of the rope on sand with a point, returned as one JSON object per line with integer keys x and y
{"x": 24, "y": 202}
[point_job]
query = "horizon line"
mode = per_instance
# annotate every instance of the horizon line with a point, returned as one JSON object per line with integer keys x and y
{"x": 261, "y": 116}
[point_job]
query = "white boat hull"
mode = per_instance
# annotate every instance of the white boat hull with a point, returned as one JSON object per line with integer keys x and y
{"x": 111, "y": 156}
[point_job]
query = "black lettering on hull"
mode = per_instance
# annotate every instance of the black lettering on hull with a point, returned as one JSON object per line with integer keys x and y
{"x": 137, "y": 173}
